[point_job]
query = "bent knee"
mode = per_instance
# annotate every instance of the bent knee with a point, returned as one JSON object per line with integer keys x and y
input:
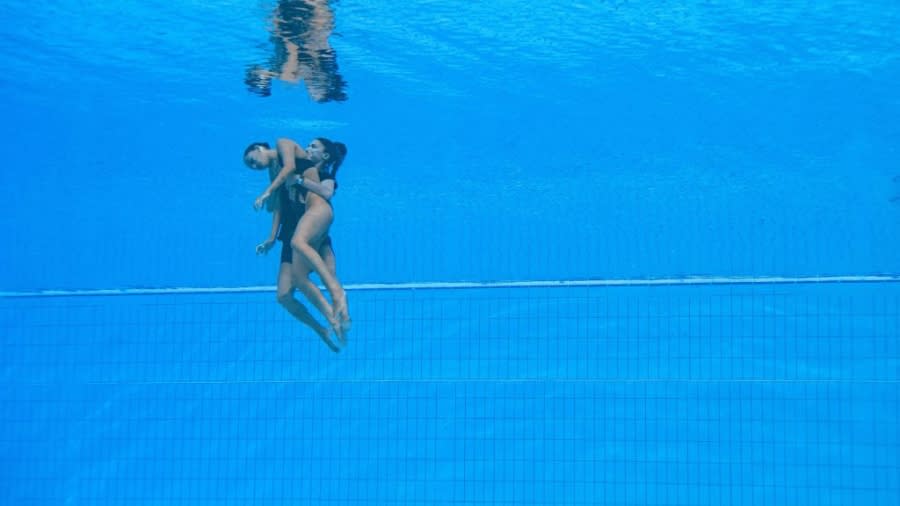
{"x": 302, "y": 247}
{"x": 284, "y": 296}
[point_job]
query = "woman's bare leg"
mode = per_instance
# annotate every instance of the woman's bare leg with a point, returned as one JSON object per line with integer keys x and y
{"x": 326, "y": 251}
{"x": 300, "y": 278}
{"x": 285, "y": 295}
{"x": 311, "y": 229}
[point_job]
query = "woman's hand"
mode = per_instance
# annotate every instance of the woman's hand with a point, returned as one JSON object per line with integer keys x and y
{"x": 261, "y": 201}
{"x": 295, "y": 179}
{"x": 264, "y": 247}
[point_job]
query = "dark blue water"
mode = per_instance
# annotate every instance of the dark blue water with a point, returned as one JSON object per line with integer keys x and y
{"x": 691, "y": 395}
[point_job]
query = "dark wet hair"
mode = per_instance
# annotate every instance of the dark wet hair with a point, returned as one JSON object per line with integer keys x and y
{"x": 293, "y": 22}
{"x": 257, "y": 81}
{"x": 327, "y": 78}
{"x": 255, "y": 145}
{"x": 336, "y": 153}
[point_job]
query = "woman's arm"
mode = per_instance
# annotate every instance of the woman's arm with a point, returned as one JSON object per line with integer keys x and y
{"x": 276, "y": 222}
{"x": 264, "y": 247}
{"x": 287, "y": 149}
{"x": 324, "y": 189}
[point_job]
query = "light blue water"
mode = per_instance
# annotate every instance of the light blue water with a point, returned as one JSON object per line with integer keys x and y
{"x": 594, "y": 140}
{"x": 505, "y": 140}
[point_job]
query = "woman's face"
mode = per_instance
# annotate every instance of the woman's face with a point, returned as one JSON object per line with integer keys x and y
{"x": 316, "y": 151}
{"x": 256, "y": 159}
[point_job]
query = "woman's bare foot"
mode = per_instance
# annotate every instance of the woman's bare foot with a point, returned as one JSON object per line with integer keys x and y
{"x": 323, "y": 335}
{"x": 335, "y": 327}
{"x": 339, "y": 333}
{"x": 342, "y": 317}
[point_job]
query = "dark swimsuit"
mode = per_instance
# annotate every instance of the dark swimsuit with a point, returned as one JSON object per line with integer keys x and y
{"x": 291, "y": 212}
{"x": 292, "y": 209}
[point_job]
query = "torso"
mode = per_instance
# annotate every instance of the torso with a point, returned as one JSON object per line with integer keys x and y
{"x": 313, "y": 174}
{"x": 300, "y": 195}
{"x": 302, "y": 167}
{"x": 291, "y": 201}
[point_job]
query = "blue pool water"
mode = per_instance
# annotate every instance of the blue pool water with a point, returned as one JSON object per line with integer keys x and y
{"x": 604, "y": 139}
{"x": 499, "y": 141}
{"x": 663, "y": 395}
